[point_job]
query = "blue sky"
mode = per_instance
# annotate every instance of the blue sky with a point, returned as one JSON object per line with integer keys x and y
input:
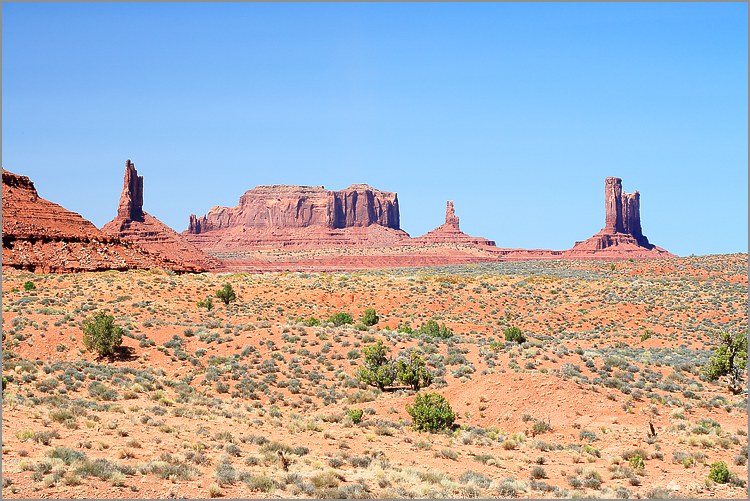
{"x": 517, "y": 112}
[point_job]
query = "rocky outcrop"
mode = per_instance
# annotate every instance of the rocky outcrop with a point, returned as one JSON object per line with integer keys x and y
{"x": 622, "y": 236}
{"x": 131, "y": 199}
{"x": 134, "y": 225}
{"x": 43, "y": 237}
{"x": 294, "y": 216}
{"x": 450, "y": 232}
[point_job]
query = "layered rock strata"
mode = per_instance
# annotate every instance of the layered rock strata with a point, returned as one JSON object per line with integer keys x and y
{"x": 43, "y": 237}
{"x": 300, "y": 216}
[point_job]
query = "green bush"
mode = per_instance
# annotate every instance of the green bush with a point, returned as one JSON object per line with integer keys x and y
{"x": 719, "y": 472}
{"x": 730, "y": 359}
{"x": 405, "y": 328}
{"x": 514, "y": 334}
{"x": 636, "y": 462}
{"x": 377, "y": 369}
{"x": 370, "y": 317}
{"x": 101, "y": 334}
{"x": 29, "y": 286}
{"x": 309, "y": 322}
{"x": 431, "y": 412}
{"x": 355, "y": 415}
{"x": 341, "y": 318}
{"x": 413, "y": 373}
{"x": 226, "y": 294}
{"x": 207, "y": 303}
{"x": 433, "y": 329}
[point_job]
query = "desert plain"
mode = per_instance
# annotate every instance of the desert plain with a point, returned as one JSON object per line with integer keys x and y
{"x": 253, "y": 400}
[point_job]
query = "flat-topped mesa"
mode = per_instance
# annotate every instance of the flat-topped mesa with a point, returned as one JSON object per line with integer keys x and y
{"x": 284, "y": 206}
{"x": 134, "y": 225}
{"x": 131, "y": 199}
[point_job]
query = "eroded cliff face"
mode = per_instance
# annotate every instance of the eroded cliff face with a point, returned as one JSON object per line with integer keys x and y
{"x": 281, "y": 206}
{"x": 134, "y": 225}
{"x": 42, "y": 236}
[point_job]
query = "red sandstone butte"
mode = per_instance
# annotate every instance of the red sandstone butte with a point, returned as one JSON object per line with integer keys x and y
{"x": 134, "y": 225}
{"x": 282, "y": 216}
{"x": 43, "y": 237}
{"x": 622, "y": 236}
{"x": 450, "y": 232}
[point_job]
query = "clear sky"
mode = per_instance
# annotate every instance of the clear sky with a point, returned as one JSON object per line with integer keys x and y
{"x": 517, "y": 112}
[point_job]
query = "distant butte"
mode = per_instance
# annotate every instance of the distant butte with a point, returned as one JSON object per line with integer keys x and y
{"x": 622, "y": 236}
{"x": 450, "y": 232}
{"x": 301, "y": 217}
{"x": 134, "y": 225}
{"x": 43, "y": 237}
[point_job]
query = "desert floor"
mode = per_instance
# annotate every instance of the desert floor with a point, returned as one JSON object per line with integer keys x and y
{"x": 201, "y": 402}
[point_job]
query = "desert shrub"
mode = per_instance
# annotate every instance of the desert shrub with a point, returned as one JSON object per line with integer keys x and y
{"x": 341, "y": 318}
{"x": 431, "y": 412}
{"x": 370, "y": 317}
{"x": 377, "y": 369}
{"x": 433, "y": 329}
{"x": 101, "y": 334}
{"x": 309, "y": 322}
{"x": 405, "y": 328}
{"x": 541, "y": 426}
{"x": 29, "y": 286}
{"x": 729, "y": 359}
{"x": 413, "y": 373}
{"x": 636, "y": 462}
{"x": 355, "y": 415}
{"x": 207, "y": 303}
{"x": 514, "y": 334}
{"x": 67, "y": 455}
{"x": 226, "y": 294}
{"x": 719, "y": 472}
{"x": 538, "y": 472}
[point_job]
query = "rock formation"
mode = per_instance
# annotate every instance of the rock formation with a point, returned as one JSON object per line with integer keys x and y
{"x": 622, "y": 234}
{"x": 131, "y": 199}
{"x": 294, "y": 216}
{"x": 43, "y": 237}
{"x": 134, "y": 225}
{"x": 450, "y": 232}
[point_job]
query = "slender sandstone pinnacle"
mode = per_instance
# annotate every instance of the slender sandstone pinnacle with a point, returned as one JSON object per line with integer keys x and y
{"x": 131, "y": 200}
{"x": 450, "y": 215}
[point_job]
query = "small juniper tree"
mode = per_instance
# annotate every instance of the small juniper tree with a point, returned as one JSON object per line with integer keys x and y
{"x": 431, "y": 412}
{"x": 514, "y": 334}
{"x": 377, "y": 369}
{"x": 101, "y": 334}
{"x": 226, "y": 294}
{"x": 730, "y": 359}
{"x": 370, "y": 317}
{"x": 413, "y": 373}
